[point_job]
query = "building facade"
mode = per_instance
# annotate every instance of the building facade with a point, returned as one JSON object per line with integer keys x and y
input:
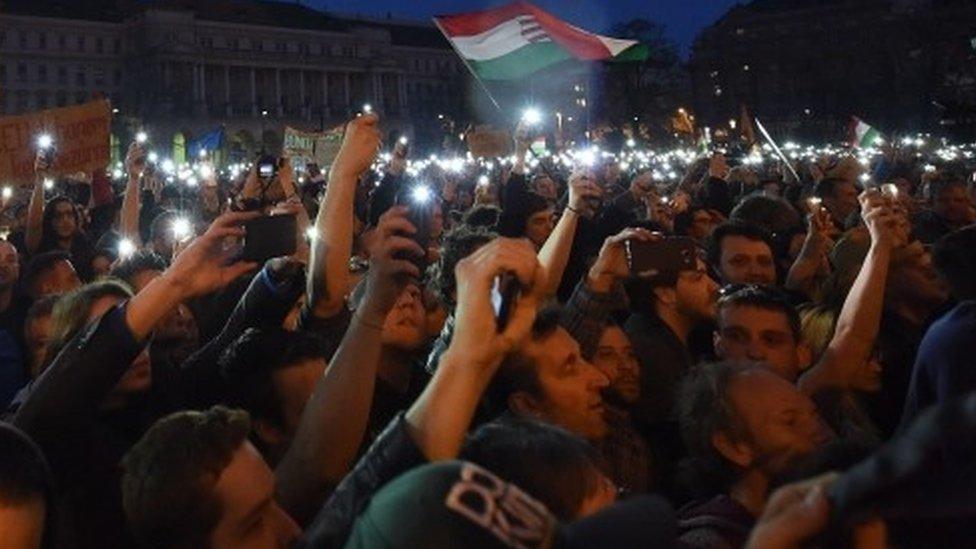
{"x": 805, "y": 67}
{"x": 252, "y": 66}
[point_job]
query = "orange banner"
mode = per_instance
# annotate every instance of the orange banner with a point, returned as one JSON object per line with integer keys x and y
{"x": 81, "y": 140}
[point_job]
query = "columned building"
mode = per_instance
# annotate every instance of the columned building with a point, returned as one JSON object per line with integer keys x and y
{"x": 186, "y": 66}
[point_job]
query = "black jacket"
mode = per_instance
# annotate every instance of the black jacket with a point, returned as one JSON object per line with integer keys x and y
{"x": 84, "y": 444}
{"x": 393, "y": 453}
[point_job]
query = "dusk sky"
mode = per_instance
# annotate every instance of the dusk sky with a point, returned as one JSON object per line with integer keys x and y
{"x": 683, "y": 18}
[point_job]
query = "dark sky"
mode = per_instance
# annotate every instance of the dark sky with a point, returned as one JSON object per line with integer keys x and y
{"x": 683, "y": 18}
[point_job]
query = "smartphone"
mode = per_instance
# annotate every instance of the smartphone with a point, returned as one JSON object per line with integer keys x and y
{"x": 268, "y": 237}
{"x": 671, "y": 254}
{"x": 503, "y": 294}
{"x": 267, "y": 167}
{"x": 420, "y": 214}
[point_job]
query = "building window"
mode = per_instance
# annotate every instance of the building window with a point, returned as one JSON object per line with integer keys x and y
{"x": 281, "y": 46}
{"x": 80, "y": 45}
{"x": 62, "y": 42}
{"x": 117, "y": 77}
{"x": 80, "y": 78}
{"x": 3, "y": 73}
{"x": 40, "y": 99}
{"x": 99, "y": 76}
{"x": 23, "y": 40}
{"x": 117, "y": 46}
{"x": 42, "y": 73}
{"x": 22, "y": 101}
{"x": 99, "y": 45}
{"x": 80, "y": 97}
{"x": 62, "y": 75}
{"x": 62, "y": 98}
{"x": 21, "y": 72}
{"x": 42, "y": 44}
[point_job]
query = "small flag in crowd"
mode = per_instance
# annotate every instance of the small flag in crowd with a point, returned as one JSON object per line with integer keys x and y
{"x": 519, "y": 39}
{"x": 863, "y": 135}
{"x": 209, "y": 142}
{"x": 538, "y": 146}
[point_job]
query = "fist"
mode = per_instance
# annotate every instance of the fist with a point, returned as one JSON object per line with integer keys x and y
{"x": 359, "y": 145}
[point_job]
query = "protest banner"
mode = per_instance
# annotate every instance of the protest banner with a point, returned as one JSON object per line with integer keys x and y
{"x": 80, "y": 137}
{"x": 488, "y": 143}
{"x": 302, "y": 147}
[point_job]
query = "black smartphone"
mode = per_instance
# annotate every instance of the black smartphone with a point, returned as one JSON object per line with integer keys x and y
{"x": 268, "y": 237}
{"x": 420, "y": 207}
{"x": 670, "y": 254}
{"x": 503, "y": 295}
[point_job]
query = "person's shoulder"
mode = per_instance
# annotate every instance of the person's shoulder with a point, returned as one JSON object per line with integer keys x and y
{"x": 960, "y": 320}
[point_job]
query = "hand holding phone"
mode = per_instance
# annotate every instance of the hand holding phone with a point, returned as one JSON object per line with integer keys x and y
{"x": 503, "y": 295}
{"x": 420, "y": 203}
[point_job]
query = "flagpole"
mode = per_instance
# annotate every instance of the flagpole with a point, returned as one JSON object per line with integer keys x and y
{"x": 776, "y": 149}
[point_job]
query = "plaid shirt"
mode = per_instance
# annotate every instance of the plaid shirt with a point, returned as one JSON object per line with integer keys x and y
{"x": 586, "y": 313}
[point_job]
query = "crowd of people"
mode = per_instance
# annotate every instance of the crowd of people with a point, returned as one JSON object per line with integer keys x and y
{"x": 462, "y": 352}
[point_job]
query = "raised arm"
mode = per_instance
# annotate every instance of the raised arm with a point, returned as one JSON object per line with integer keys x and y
{"x": 588, "y": 309}
{"x": 335, "y": 418}
{"x": 76, "y": 383}
{"x": 554, "y": 254}
{"x": 34, "y": 231}
{"x": 329, "y": 264}
{"x": 441, "y": 416}
{"x": 803, "y": 274}
{"x": 860, "y": 318}
{"x": 135, "y": 164}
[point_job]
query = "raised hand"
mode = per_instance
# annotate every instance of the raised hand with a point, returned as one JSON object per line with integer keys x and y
{"x": 584, "y": 193}
{"x": 135, "y": 160}
{"x": 611, "y": 264}
{"x": 360, "y": 144}
{"x": 476, "y": 339}
{"x": 203, "y": 266}
{"x": 389, "y": 267}
{"x": 881, "y": 219}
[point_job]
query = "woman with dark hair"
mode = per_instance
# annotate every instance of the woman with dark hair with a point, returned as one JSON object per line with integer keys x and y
{"x": 59, "y": 226}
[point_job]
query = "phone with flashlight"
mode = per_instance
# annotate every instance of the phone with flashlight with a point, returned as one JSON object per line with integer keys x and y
{"x": 269, "y": 236}
{"x": 267, "y": 167}
{"x": 670, "y": 254}
{"x": 46, "y": 149}
{"x": 503, "y": 295}
{"x": 420, "y": 212}
{"x": 402, "y": 148}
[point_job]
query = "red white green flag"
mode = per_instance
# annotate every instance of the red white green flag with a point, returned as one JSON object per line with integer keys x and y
{"x": 519, "y": 39}
{"x": 863, "y": 135}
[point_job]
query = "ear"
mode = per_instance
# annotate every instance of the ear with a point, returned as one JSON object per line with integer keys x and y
{"x": 737, "y": 452}
{"x": 667, "y": 295}
{"x": 269, "y": 433}
{"x": 523, "y": 404}
{"x": 804, "y": 356}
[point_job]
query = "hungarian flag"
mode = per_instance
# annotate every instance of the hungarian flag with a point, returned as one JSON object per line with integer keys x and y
{"x": 519, "y": 39}
{"x": 861, "y": 134}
